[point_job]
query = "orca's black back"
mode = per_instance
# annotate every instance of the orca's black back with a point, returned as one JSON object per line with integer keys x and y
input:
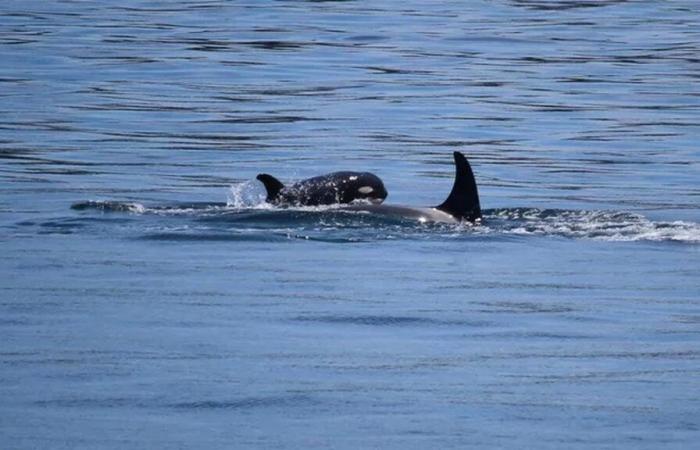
{"x": 336, "y": 187}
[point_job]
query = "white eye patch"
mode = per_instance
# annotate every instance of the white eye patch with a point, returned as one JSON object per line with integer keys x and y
{"x": 366, "y": 189}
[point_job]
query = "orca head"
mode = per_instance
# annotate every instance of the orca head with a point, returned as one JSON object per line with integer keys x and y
{"x": 363, "y": 186}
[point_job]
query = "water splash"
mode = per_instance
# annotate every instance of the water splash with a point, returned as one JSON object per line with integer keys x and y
{"x": 250, "y": 194}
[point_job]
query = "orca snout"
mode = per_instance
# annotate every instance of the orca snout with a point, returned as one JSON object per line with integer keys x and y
{"x": 382, "y": 193}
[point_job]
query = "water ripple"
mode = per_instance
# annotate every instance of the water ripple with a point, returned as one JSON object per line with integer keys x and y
{"x": 221, "y": 222}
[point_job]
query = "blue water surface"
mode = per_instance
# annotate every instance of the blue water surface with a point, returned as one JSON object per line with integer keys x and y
{"x": 149, "y": 298}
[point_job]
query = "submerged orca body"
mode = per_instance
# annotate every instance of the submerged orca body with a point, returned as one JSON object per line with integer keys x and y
{"x": 461, "y": 205}
{"x": 334, "y": 188}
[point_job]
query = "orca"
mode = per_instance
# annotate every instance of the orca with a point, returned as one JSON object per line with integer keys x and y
{"x": 343, "y": 188}
{"x": 462, "y": 205}
{"x": 333, "y": 188}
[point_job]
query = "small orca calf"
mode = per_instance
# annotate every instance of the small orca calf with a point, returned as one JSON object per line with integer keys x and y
{"x": 333, "y": 188}
{"x": 461, "y": 205}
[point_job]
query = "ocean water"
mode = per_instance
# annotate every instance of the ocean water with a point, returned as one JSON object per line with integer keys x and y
{"x": 150, "y": 299}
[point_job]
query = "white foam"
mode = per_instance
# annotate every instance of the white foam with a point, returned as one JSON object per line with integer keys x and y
{"x": 597, "y": 225}
{"x": 137, "y": 208}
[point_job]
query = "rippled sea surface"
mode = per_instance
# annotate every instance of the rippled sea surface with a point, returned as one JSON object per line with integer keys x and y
{"x": 149, "y": 300}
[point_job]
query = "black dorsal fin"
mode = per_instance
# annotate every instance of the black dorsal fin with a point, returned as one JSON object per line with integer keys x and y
{"x": 273, "y": 186}
{"x": 463, "y": 201}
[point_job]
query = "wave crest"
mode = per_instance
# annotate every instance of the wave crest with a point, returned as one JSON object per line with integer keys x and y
{"x": 599, "y": 225}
